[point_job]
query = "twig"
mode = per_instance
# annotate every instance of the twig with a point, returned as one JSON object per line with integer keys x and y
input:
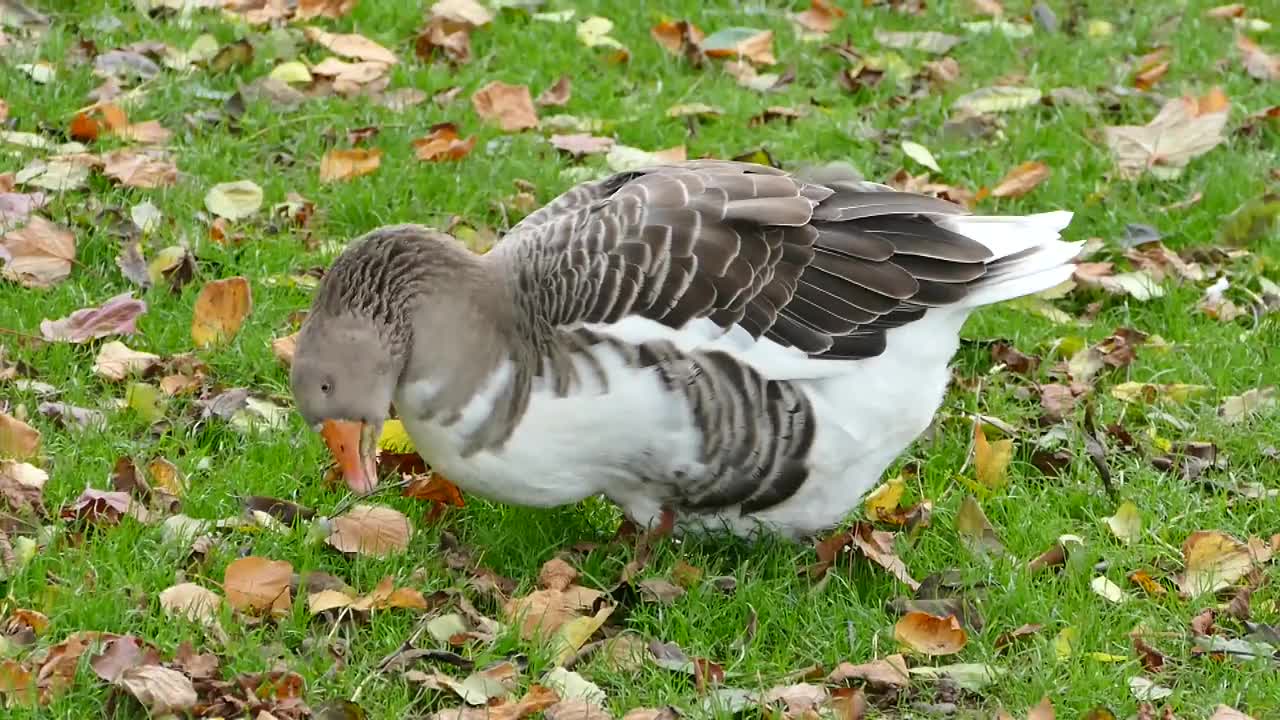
{"x": 973, "y": 435}
{"x": 351, "y": 498}
{"x": 18, "y": 333}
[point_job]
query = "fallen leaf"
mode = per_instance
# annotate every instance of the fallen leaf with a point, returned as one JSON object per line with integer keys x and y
{"x": 754, "y": 45}
{"x": 508, "y": 106}
{"x": 1001, "y": 98}
{"x": 1022, "y": 179}
{"x": 1212, "y": 561}
{"x": 1108, "y": 590}
{"x": 59, "y": 173}
{"x": 220, "y": 310}
{"x": 1257, "y": 62}
{"x": 442, "y": 143}
{"x": 882, "y": 502}
{"x": 991, "y": 460}
{"x": 234, "y": 200}
{"x": 678, "y": 37}
{"x": 1237, "y": 408}
{"x": 1185, "y": 128}
{"x": 1146, "y": 690}
{"x": 468, "y": 12}
{"x": 556, "y": 574}
{"x": 147, "y": 168}
{"x": 351, "y": 45}
{"x": 594, "y": 32}
{"x": 345, "y": 164}
{"x": 930, "y": 634}
{"x": 936, "y": 43}
{"x": 558, "y": 94}
{"x": 1042, "y": 710}
{"x": 373, "y": 530}
{"x": 975, "y": 530}
{"x": 18, "y": 440}
{"x": 571, "y": 685}
{"x": 820, "y": 17}
{"x": 192, "y": 602}
{"x": 21, "y": 484}
{"x": 887, "y": 672}
{"x": 254, "y": 584}
{"x": 161, "y": 690}
{"x": 334, "y": 9}
{"x": 920, "y": 154}
{"x": 579, "y": 144}
{"x": 39, "y": 255}
{"x": 117, "y": 316}
{"x": 115, "y": 361}
{"x": 1224, "y": 712}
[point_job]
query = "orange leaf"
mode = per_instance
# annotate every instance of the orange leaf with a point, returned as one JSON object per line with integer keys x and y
{"x": 220, "y": 310}
{"x": 443, "y": 143}
{"x": 435, "y": 488}
{"x": 821, "y": 17}
{"x": 256, "y": 583}
{"x": 509, "y": 106}
{"x": 83, "y": 128}
{"x": 346, "y": 164}
{"x": 1022, "y": 179}
{"x": 930, "y": 634}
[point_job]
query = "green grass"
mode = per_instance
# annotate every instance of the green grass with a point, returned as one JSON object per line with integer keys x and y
{"x": 108, "y": 579}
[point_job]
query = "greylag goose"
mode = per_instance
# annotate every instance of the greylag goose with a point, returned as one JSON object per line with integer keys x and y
{"x": 710, "y": 345}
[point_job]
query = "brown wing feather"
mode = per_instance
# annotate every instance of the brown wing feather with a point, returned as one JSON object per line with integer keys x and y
{"x": 825, "y": 267}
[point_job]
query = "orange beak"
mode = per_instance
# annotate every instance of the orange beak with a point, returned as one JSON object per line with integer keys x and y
{"x": 355, "y": 446}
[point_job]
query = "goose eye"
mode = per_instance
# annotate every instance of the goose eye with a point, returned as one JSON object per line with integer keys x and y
{"x": 326, "y": 387}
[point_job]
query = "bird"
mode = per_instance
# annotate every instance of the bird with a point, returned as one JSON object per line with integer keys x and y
{"x": 713, "y": 346}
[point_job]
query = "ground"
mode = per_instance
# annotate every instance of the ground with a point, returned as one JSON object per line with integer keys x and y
{"x": 108, "y": 578}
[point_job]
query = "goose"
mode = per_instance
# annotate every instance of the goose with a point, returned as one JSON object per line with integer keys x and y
{"x": 711, "y": 345}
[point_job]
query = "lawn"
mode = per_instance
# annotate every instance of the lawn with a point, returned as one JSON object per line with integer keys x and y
{"x": 1174, "y": 456}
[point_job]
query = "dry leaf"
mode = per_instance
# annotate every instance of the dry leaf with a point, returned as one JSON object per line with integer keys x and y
{"x": 373, "y": 530}
{"x": 1126, "y": 524}
{"x": 1237, "y": 408}
{"x": 347, "y": 164}
{"x": 140, "y": 168}
{"x": 115, "y": 361}
{"x": 975, "y": 530}
{"x": 191, "y": 601}
{"x": 820, "y": 17}
{"x": 18, "y": 440}
{"x": 542, "y": 613}
{"x": 117, "y": 316}
{"x": 284, "y": 348}
{"x": 1001, "y": 98}
{"x": 308, "y": 9}
{"x": 21, "y": 484}
{"x": 1022, "y": 179}
{"x": 159, "y": 689}
{"x": 1212, "y": 561}
{"x": 234, "y": 200}
{"x": 442, "y": 143}
{"x": 558, "y": 94}
{"x": 256, "y": 583}
{"x": 991, "y": 460}
{"x": 352, "y": 45}
{"x": 220, "y": 310}
{"x": 38, "y": 255}
{"x": 509, "y": 106}
{"x": 1109, "y": 590}
{"x": 468, "y": 12}
{"x": 580, "y": 144}
{"x": 1257, "y": 62}
{"x": 754, "y": 45}
{"x": 936, "y": 43}
{"x": 930, "y": 634}
{"x": 1185, "y": 128}
{"x": 888, "y": 672}
{"x": 1225, "y": 712}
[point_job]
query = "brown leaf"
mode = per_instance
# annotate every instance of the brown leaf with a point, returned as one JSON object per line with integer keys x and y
{"x": 1185, "y": 128}
{"x": 1022, "y": 179}
{"x": 1042, "y": 710}
{"x": 975, "y": 530}
{"x": 433, "y": 487}
{"x": 1226, "y": 12}
{"x": 118, "y": 654}
{"x": 508, "y": 106}
{"x": 449, "y": 36}
{"x": 308, "y": 9}
{"x": 220, "y": 310}
{"x": 115, "y": 361}
{"x": 1257, "y": 62}
{"x": 140, "y": 168}
{"x": 1152, "y": 660}
{"x": 351, "y": 45}
{"x": 338, "y": 165}
{"x": 283, "y": 348}
{"x": 22, "y": 488}
{"x": 159, "y": 689}
{"x": 544, "y": 612}
{"x": 930, "y": 634}
{"x": 1225, "y": 712}
{"x": 58, "y": 670}
{"x": 18, "y": 440}
{"x": 192, "y": 602}
{"x": 678, "y": 37}
{"x": 1008, "y": 638}
{"x": 100, "y": 506}
{"x": 558, "y": 94}
{"x": 39, "y": 255}
{"x": 373, "y": 530}
{"x": 1016, "y": 361}
{"x": 1057, "y": 401}
{"x": 556, "y": 574}
{"x": 754, "y": 45}
{"x": 83, "y": 128}
{"x": 820, "y": 17}
{"x": 889, "y": 672}
{"x": 580, "y": 144}
{"x": 1212, "y": 561}
{"x": 576, "y": 709}
{"x": 442, "y": 143}
{"x": 117, "y": 316}
{"x": 467, "y": 12}
{"x": 254, "y": 584}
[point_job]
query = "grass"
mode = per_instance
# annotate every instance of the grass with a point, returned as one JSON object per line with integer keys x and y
{"x": 108, "y": 579}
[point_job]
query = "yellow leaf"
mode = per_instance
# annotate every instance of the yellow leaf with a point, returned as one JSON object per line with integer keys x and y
{"x": 991, "y": 460}
{"x": 884, "y": 499}
{"x": 1213, "y": 561}
{"x": 1064, "y": 643}
{"x": 220, "y": 310}
{"x": 577, "y": 631}
{"x": 395, "y": 439}
{"x": 1106, "y": 657}
{"x": 1126, "y": 524}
